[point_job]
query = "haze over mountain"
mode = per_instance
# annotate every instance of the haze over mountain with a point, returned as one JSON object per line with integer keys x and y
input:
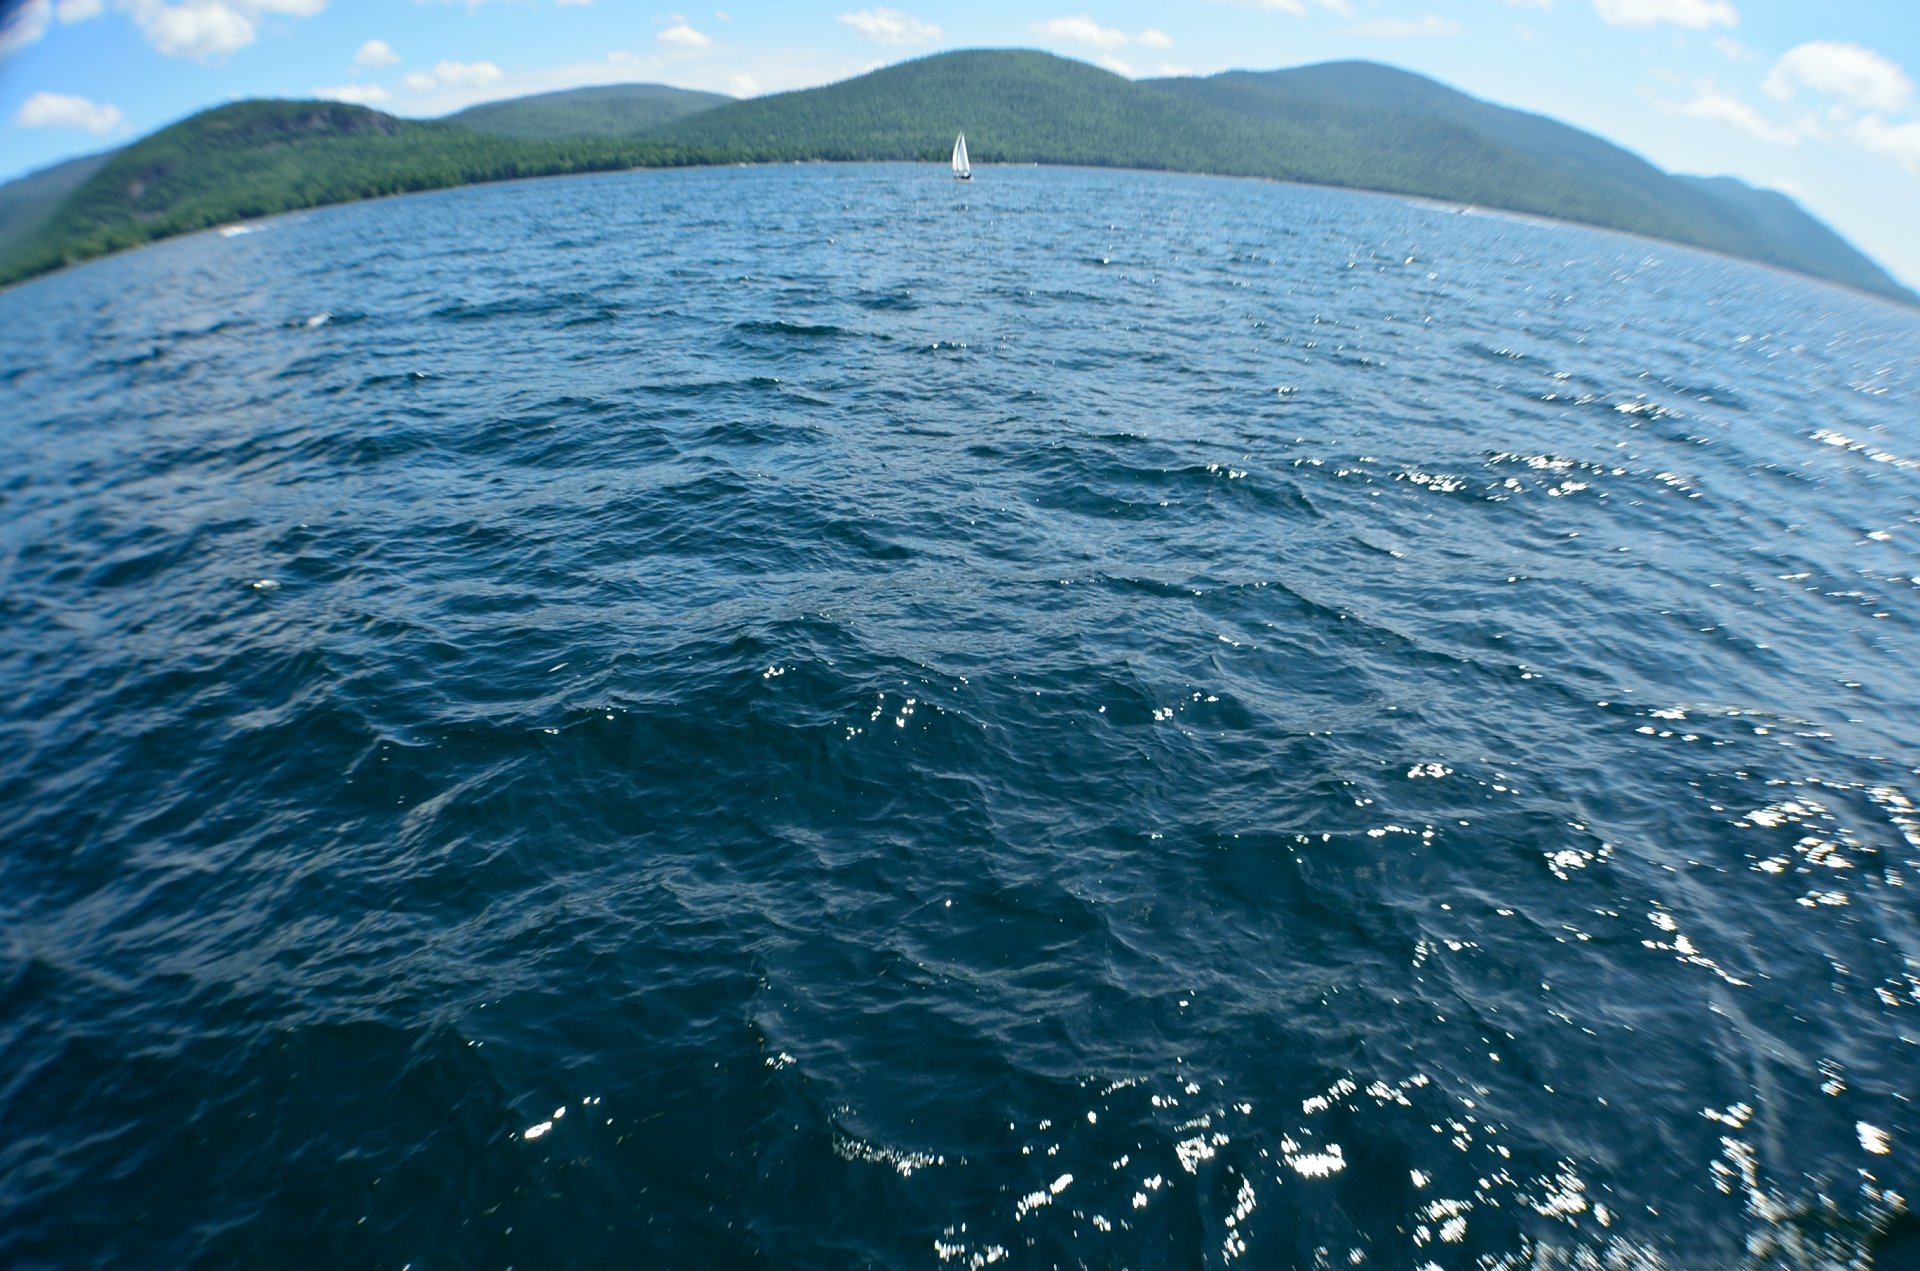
{"x": 615, "y": 110}
{"x": 1353, "y": 124}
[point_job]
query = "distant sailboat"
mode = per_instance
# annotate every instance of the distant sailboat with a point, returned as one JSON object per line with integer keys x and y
{"x": 962, "y": 170}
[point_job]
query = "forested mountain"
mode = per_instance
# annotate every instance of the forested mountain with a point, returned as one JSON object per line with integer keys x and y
{"x": 1349, "y": 124}
{"x": 1773, "y": 216}
{"x": 614, "y": 110}
{"x": 1595, "y": 181}
{"x": 27, "y": 203}
{"x": 256, "y": 158}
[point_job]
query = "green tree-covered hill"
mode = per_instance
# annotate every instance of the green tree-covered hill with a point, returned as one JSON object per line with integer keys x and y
{"x": 1777, "y": 220}
{"x": 1347, "y": 124}
{"x": 613, "y": 110}
{"x": 256, "y": 158}
{"x": 29, "y": 202}
{"x": 1598, "y": 182}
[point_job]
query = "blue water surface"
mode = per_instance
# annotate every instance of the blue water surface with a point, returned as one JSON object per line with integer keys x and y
{"x": 816, "y": 717}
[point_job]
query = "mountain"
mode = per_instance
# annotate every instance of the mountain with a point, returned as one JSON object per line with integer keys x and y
{"x": 1023, "y": 107}
{"x": 256, "y": 158}
{"x": 615, "y": 110}
{"x": 1773, "y": 215}
{"x": 26, "y": 203}
{"x": 1347, "y": 124}
{"x": 1352, "y": 124}
{"x": 1598, "y": 182}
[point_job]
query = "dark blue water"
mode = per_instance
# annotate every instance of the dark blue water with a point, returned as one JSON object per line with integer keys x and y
{"x": 819, "y": 717}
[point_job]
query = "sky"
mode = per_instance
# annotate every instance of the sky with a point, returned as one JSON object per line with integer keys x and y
{"x": 1814, "y": 99}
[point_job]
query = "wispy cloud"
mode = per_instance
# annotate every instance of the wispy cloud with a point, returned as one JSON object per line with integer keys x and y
{"x": 1695, "y": 14}
{"x": 890, "y": 26}
{"x": 1899, "y": 141}
{"x": 376, "y": 53}
{"x": 680, "y": 33}
{"x": 62, "y": 110}
{"x": 356, "y": 94}
{"x": 25, "y": 25}
{"x": 474, "y": 74}
{"x": 1722, "y": 108}
{"x": 1855, "y": 75}
{"x": 1081, "y": 30}
{"x": 454, "y": 75}
{"x": 1298, "y": 8}
{"x": 1427, "y": 27}
{"x": 1084, "y": 30}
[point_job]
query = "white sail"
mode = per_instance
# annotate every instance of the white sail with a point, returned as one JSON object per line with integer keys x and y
{"x": 962, "y": 170}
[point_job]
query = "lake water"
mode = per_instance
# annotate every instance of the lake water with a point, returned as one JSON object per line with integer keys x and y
{"x": 820, "y": 717}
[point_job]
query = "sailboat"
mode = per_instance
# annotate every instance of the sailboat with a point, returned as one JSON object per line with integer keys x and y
{"x": 962, "y": 170}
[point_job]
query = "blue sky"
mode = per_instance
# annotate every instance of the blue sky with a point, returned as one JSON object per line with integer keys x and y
{"x": 1814, "y": 99}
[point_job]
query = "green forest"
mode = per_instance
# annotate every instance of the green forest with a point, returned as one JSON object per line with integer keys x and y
{"x": 1357, "y": 125}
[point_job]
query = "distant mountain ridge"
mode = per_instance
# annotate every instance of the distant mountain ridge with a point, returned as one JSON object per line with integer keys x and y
{"x": 612, "y": 110}
{"x": 1720, "y": 213}
{"x": 1353, "y": 124}
{"x": 31, "y": 200}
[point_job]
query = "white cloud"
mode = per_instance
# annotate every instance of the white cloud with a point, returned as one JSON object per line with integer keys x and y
{"x": 1720, "y": 108}
{"x": 721, "y": 15}
{"x": 577, "y": 4}
{"x": 26, "y": 26}
{"x": 454, "y": 74}
{"x": 890, "y": 26}
{"x": 1297, "y": 8}
{"x": 476, "y": 74}
{"x": 1084, "y": 30}
{"x": 208, "y": 28}
{"x": 1530, "y": 4}
{"x": 1081, "y": 30}
{"x": 61, "y": 110}
{"x": 1729, "y": 47}
{"x": 1901, "y": 141}
{"x": 1697, "y": 14}
{"x": 194, "y": 30}
{"x": 28, "y": 23}
{"x": 743, "y": 85}
{"x": 376, "y": 53}
{"x": 1858, "y": 76}
{"x": 1408, "y": 28}
{"x": 682, "y": 34}
{"x": 356, "y": 94}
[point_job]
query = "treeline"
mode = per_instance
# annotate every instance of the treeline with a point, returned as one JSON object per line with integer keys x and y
{"x": 258, "y": 158}
{"x": 1353, "y": 124}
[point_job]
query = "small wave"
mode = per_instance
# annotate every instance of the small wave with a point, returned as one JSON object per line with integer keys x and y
{"x": 796, "y": 330}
